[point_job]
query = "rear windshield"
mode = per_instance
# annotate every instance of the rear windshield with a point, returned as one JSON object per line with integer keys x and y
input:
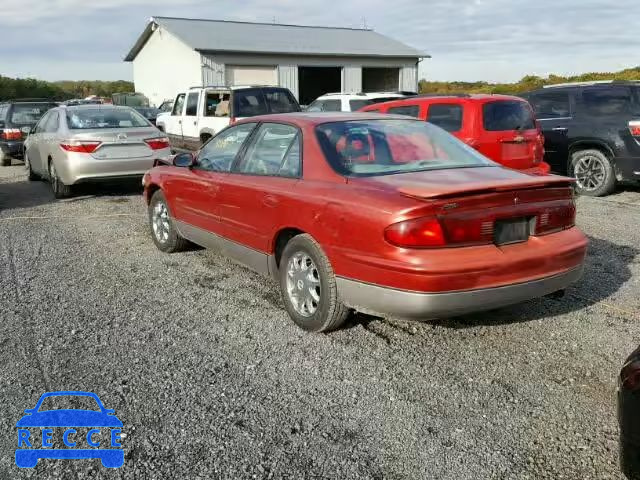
{"x": 507, "y": 115}
{"x": 260, "y": 101}
{"x": 28, "y": 113}
{"x": 384, "y": 147}
{"x": 89, "y": 118}
{"x": 356, "y": 105}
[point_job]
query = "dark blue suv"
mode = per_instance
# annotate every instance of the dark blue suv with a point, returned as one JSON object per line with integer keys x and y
{"x": 591, "y": 132}
{"x": 17, "y": 118}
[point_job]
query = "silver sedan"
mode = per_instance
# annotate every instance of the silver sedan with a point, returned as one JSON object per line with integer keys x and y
{"x": 87, "y": 143}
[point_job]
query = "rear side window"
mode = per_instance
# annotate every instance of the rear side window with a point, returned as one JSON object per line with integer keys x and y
{"x": 507, "y": 115}
{"x": 447, "y": 116}
{"x": 409, "y": 110}
{"x": 275, "y": 151}
{"x": 95, "y": 118}
{"x": 260, "y": 101}
{"x": 28, "y": 113}
{"x": 192, "y": 104}
{"x": 607, "y": 101}
{"x": 551, "y": 105}
{"x": 3, "y": 112}
{"x": 356, "y": 105}
{"x": 51, "y": 124}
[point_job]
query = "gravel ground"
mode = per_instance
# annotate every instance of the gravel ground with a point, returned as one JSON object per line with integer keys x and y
{"x": 212, "y": 380}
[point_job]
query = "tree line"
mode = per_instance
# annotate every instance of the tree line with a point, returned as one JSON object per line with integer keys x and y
{"x": 11, "y": 88}
{"x": 527, "y": 83}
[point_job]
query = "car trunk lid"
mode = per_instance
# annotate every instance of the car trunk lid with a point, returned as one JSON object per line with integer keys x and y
{"x": 120, "y": 143}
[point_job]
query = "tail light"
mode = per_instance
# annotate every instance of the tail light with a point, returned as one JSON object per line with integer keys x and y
{"x": 630, "y": 376}
{"x": 555, "y": 219}
{"x": 634, "y": 127}
{"x": 11, "y": 134}
{"x": 80, "y": 146}
{"x": 425, "y": 232}
{"x": 157, "y": 143}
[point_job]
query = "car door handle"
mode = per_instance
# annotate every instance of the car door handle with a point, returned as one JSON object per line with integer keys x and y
{"x": 559, "y": 129}
{"x": 195, "y": 123}
{"x": 270, "y": 201}
{"x": 179, "y": 122}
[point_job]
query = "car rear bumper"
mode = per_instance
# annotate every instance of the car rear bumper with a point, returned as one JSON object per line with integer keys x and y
{"x": 78, "y": 167}
{"x": 377, "y": 299}
{"x": 13, "y": 148}
{"x": 628, "y": 168}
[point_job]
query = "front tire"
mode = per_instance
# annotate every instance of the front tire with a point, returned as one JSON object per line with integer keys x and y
{"x": 163, "y": 231}
{"x": 27, "y": 164}
{"x": 308, "y": 286}
{"x": 594, "y": 173}
{"x": 60, "y": 190}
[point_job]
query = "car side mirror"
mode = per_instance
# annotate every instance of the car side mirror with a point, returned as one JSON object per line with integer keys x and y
{"x": 184, "y": 160}
{"x": 109, "y": 411}
{"x": 26, "y": 130}
{"x": 29, "y": 410}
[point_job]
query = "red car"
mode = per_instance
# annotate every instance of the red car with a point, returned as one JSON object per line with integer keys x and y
{"x": 500, "y": 127}
{"x": 377, "y": 213}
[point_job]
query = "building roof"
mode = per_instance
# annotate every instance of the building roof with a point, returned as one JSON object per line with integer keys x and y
{"x": 245, "y": 37}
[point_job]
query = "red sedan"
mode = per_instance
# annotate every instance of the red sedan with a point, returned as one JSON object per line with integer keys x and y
{"x": 384, "y": 214}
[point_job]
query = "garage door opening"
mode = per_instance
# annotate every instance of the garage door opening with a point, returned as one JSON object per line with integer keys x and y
{"x": 380, "y": 79}
{"x": 316, "y": 81}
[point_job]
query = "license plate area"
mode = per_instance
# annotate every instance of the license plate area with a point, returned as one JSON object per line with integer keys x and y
{"x": 513, "y": 230}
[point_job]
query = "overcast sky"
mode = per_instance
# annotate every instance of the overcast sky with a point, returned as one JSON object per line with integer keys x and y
{"x": 493, "y": 40}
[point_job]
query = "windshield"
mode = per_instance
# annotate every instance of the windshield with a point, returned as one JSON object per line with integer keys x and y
{"x": 383, "y": 147}
{"x": 28, "y": 113}
{"x": 90, "y": 118}
{"x": 69, "y": 402}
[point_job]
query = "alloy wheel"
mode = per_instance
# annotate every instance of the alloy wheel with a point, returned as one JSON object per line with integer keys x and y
{"x": 303, "y": 284}
{"x": 160, "y": 222}
{"x": 590, "y": 173}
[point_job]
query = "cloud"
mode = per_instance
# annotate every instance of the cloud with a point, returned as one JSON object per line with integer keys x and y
{"x": 468, "y": 39}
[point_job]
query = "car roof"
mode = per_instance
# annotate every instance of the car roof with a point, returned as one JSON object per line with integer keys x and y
{"x": 93, "y": 106}
{"x": 317, "y": 118}
{"x": 473, "y": 98}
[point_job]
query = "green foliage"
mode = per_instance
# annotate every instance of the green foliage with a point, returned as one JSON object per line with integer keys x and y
{"x": 527, "y": 83}
{"x": 63, "y": 90}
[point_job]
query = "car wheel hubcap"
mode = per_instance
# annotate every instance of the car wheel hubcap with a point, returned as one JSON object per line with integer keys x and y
{"x": 160, "y": 222}
{"x": 590, "y": 173}
{"x": 303, "y": 284}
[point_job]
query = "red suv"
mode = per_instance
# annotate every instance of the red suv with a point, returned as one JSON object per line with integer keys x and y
{"x": 501, "y": 127}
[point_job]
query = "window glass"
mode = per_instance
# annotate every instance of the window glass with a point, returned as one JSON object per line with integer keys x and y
{"x": 220, "y": 152}
{"x": 28, "y": 113}
{"x": 551, "y": 105}
{"x": 358, "y": 104}
{"x": 3, "y": 112}
{"x": 280, "y": 100}
{"x": 410, "y": 110}
{"x": 51, "y": 125}
{"x": 316, "y": 106}
{"x": 384, "y": 147}
{"x": 507, "y": 115}
{"x": 332, "y": 106}
{"x": 217, "y": 104}
{"x": 446, "y": 115}
{"x": 178, "y": 105}
{"x": 192, "y": 104}
{"x": 272, "y": 152}
{"x": 607, "y": 101}
{"x": 104, "y": 117}
{"x": 39, "y": 128}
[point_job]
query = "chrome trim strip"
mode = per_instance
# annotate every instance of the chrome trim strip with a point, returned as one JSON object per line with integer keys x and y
{"x": 553, "y": 118}
{"x": 253, "y": 259}
{"x": 384, "y": 300}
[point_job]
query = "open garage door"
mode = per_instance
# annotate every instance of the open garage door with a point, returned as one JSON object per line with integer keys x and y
{"x": 251, "y": 75}
{"x": 380, "y": 79}
{"x": 316, "y": 81}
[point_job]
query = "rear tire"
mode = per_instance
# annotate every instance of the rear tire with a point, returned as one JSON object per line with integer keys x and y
{"x": 60, "y": 190}
{"x": 594, "y": 173}
{"x": 5, "y": 159}
{"x": 308, "y": 286}
{"x": 163, "y": 231}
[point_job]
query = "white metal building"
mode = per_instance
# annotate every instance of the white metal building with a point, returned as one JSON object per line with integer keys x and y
{"x": 173, "y": 54}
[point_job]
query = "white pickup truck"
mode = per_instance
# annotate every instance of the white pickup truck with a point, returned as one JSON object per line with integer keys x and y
{"x": 202, "y": 112}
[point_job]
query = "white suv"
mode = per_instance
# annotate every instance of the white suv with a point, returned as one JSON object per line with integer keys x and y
{"x": 351, "y": 102}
